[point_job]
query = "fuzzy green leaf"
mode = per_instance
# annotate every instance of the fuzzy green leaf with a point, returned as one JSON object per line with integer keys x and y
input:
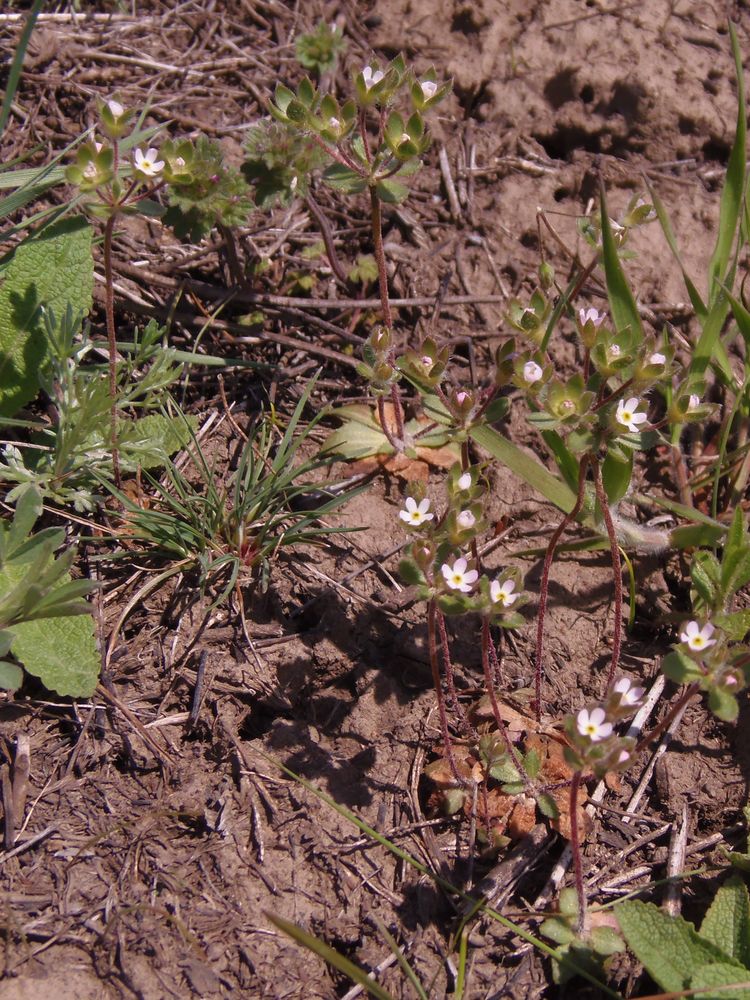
{"x": 52, "y": 269}
{"x": 61, "y": 652}
{"x": 669, "y": 947}
{"x": 11, "y": 676}
{"x": 343, "y": 179}
{"x": 720, "y": 974}
{"x": 678, "y": 667}
{"x": 727, "y": 923}
{"x": 723, "y": 704}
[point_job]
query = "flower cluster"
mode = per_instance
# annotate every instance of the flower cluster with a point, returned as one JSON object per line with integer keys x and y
{"x": 593, "y": 743}
{"x": 704, "y": 657}
{"x": 443, "y": 561}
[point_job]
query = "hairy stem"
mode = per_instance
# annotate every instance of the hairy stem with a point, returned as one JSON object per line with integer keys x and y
{"x": 392, "y": 441}
{"x": 435, "y": 666}
{"x": 544, "y": 586}
{"x": 499, "y": 722}
{"x": 575, "y": 846}
{"x": 109, "y": 309}
{"x": 614, "y": 550}
{"x": 448, "y": 668}
{"x": 377, "y": 241}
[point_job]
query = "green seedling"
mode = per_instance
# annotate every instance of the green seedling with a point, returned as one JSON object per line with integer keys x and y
{"x": 319, "y": 50}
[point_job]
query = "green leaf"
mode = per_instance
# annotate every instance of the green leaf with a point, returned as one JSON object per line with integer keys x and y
{"x": 28, "y": 509}
{"x": 527, "y": 468}
{"x": 669, "y": 947}
{"x": 343, "y": 179}
{"x": 532, "y": 762}
{"x": 705, "y": 572}
{"x": 547, "y": 806}
{"x": 736, "y": 625}
{"x": 11, "y": 676}
{"x": 616, "y": 476}
{"x": 723, "y": 704}
{"x": 391, "y": 191}
{"x": 54, "y": 269}
{"x": 61, "y": 652}
{"x": 150, "y": 440}
{"x": 678, "y": 667}
{"x": 621, "y": 301}
{"x": 727, "y": 922}
{"x": 731, "y": 196}
{"x": 410, "y": 573}
{"x": 720, "y": 974}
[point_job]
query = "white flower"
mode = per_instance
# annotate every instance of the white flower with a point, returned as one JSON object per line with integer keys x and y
{"x": 624, "y": 757}
{"x": 614, "y": 351}
{"x": 466, "y": 519}
{"x": 464, "y": 481}
{"x": 461, "y": 397}
{"x": 115, "y": 109}
{"x": 694, "y": 402}
{"x": 627, "y": 415}
{"x": 458, "y": 577}
{"x": 371, "y": 76}
{"x": 590, "y": 316}
{"x": 429, "y": 88}
{"x": 178, "y": 163}
{"x": 90, "y": 171}
{"x": 592, "y": 724}
{"x": 334, "y": 123}
{"x": 416, "y": 513}
{"x": 532, "y": 372}
{"x": 629, "y": 695}
{"x": 698, "y": 638}
{"x": 657, "y": 359}
{"x": 405, "y": 137}
{"x": 503, "y": 593}
{"x": 427, "y": 361}
{"x": 146, "y": 163}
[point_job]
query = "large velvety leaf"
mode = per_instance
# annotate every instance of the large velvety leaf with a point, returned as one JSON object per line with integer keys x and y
{"x": 727, "y": 923}
{"x": 720, "y": 974}
{"x": 53, "y": 269}
{"x": 61, "y": 652}
{"x": 669, "y": 947}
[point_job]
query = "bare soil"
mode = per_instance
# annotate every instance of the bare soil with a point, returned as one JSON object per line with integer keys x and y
{"x": 161, "y": 859}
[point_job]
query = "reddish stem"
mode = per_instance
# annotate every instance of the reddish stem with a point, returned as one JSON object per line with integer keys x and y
{"x": 575, "y": 846}
{"x": 377, "y": 240}
{"x": 432, "y": 647}
{"x": 448, "y": 668}
{"x": 544, "y": 586}
{"x": 614, "y": 550}
{"x": 499, "y": 722}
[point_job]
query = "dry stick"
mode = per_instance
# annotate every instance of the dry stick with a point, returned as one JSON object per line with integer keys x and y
{"x": 432, "y": 647}
{"x": 109, "y": 309}
{"x": 544, "y": 586}
{"x": 676, "y": 864}
{"x": 614, "y": 550}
